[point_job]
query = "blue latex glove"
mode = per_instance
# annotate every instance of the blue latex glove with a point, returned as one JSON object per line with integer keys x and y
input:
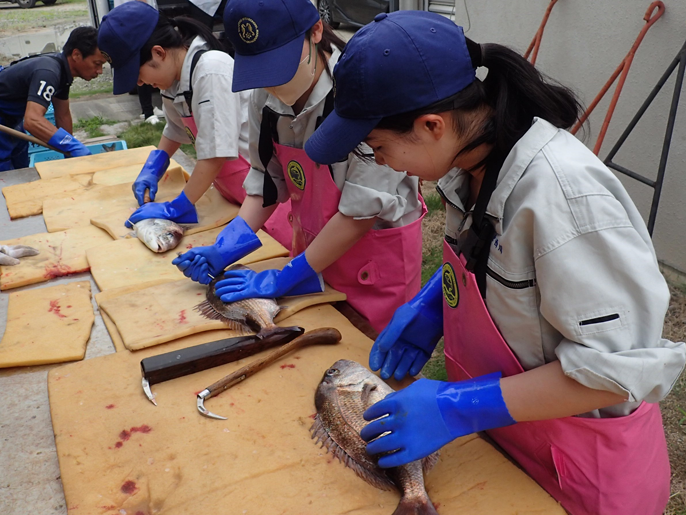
{"x": 153, "y": 170}
{"x": 65, "y": 142}
{"x": 179, "y": 210}
{"x": 202, "y": 264}
{"x": 428, "y": 414}
{"x": 406, "y": 344}
{"x": 296, "y": 278}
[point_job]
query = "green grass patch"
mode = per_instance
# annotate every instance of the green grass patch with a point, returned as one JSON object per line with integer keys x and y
{"x": 435, "y": 367}
{"x": 105, "y": 88}
{"x": 431, "y": 261}
{"x": 145, "y": 134}
{"x": 434, "y": 203}
{"x": 92, "y": 126}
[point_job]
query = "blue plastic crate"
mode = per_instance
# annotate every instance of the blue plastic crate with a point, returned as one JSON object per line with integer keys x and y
{"x": 95, "y": 148}
{"x": 50, "y": 116}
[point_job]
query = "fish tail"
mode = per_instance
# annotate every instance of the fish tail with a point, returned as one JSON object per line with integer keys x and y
{"x": 415, "y": 506}
{"x": 276, "y": 330}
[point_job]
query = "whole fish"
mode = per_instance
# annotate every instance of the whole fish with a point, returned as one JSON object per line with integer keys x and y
{"x": 158, "y": 234}
{"x": 246, "y": 316}
{"x": 344, "y": 393}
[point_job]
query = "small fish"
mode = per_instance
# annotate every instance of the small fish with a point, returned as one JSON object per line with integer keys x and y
{"x": 10, "y": 254}
{"x": 247, "y": 316}
{"x": 158, "y": 234}
{"x": 344, "y": 393}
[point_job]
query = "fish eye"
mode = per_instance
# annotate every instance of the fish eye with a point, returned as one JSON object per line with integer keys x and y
{"x": 332, "y": 372}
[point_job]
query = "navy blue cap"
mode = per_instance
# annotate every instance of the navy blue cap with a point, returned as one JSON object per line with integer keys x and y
{"x": 122, "y": 34}
{"x": 268, "y": 38}
{"x": 400, "y": 62}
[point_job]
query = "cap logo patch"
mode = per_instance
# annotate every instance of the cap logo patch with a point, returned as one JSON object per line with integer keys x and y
{"x": 450, "y": 291}
{"x": 106, "y": 56}
{"x": 247, "y": 30}
{"x": 296, "y": 175}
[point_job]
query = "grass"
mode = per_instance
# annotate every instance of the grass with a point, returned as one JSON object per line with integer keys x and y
{"x": 92, "y": 126}
{"x": 14, "y": 21}
{"x": 104, "y": 88}
{"x": 432, "y": 259}
{"x": 145, "y": 134}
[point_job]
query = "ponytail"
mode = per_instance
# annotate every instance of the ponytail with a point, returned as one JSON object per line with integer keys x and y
{"x": 511, "y": 95}
{"x": 177, "y": 32}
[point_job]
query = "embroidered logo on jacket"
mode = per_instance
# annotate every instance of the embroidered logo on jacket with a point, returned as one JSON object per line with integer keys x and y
{"x": 247, "y": 30}
{"x": 450, "y": 290}
{"x": 296, "y": 174}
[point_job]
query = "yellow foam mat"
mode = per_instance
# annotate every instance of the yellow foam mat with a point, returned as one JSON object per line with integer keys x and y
{"x": 77, "y": 209}
{"x": 60, "y": 253}
{"x": 128, "y": 261}
{"x": 93, "y": 163}
{"x": 116, "y": 292}
{"x": 120, "y": 454}
{"x": 27, "y": 199}
{"x": 165, "y": 312}
{"x": 47, "y": 325}
{"x": 212, "y": 208}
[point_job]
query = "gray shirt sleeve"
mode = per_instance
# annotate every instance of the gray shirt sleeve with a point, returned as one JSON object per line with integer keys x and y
{"x": 612, "y": 336}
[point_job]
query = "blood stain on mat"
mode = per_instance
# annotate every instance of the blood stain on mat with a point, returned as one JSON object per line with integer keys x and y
{"x": 288, "y": 365}
{"x": 55, "y": 308}
{"x": 182, "y": 317}
{"x": 110, "y": 406}
{"x": 126, "y": 435}
{"x": 129, "y": 487}
{"x": 189, "y": 246}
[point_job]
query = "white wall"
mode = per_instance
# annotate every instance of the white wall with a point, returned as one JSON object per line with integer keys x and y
{"x": 583, "y": 43}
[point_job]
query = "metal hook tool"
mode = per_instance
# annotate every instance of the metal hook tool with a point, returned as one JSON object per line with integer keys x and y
{"x": 325, "y": 336}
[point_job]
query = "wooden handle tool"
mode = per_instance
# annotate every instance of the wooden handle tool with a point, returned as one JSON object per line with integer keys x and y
{"x": 30, "y": 139}
{"x": 324, "y": 336}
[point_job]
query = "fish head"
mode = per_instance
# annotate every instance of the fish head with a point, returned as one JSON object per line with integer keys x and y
{"x": 345, "y": 373}
{"x": 170, "y": 238}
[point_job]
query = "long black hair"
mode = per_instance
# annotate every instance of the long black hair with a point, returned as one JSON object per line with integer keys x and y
{"x": 177, "y": 32}
{"x": 511, "y": 95}
{"x": 329, "y": 40}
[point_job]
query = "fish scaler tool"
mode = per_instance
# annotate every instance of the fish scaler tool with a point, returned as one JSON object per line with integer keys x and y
{"x": 323, "y": 336}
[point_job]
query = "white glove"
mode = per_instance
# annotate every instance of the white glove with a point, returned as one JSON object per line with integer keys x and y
{"x": 10, "y": 253}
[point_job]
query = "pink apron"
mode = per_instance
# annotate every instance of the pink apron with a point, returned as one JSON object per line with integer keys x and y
{"x": 229, "y": 182}
{"x": 381, "y": 271}
{"x": 609, "y": 466}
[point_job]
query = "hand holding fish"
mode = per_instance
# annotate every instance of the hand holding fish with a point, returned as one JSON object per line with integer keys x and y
{"x": 153, "y": 169}
{"x": 427, "y": 415}
{"x": 296, "y": 278}
{"x": 202, "y": 264}
{"x": 180, "y": 210}
{"x": 406, "y": 344}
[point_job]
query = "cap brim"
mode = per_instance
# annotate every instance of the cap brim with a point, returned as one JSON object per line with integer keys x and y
{"x": 337, "y": 137}
{"x": 268, "y": 69}
{"x": 126, "y": 76}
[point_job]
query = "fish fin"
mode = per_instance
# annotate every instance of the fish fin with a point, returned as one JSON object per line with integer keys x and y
{"x": 376, "y": 479}
{"x": 429, "y": 462}
{"x": 415, "y": 506}
{"x": 206, "y": 310}
{"x": 367, "y": 391}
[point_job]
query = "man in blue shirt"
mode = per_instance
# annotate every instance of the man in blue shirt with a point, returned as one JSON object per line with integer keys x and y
{"x": 28, "y": 86}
